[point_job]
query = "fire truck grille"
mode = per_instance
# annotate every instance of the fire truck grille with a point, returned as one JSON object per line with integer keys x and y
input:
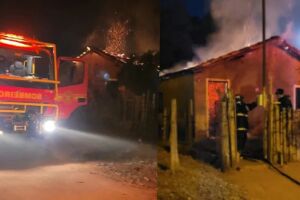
{"x": 11, "y": 107}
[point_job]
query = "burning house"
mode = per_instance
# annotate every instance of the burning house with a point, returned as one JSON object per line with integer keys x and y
{"x": 241, "y": 71}
{"x": 112, "y": 104}
{"x": 103, "y": 67}
{"x": 103, "y": 87}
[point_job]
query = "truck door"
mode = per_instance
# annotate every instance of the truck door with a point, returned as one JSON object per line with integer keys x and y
{"x": 72, "y": 90}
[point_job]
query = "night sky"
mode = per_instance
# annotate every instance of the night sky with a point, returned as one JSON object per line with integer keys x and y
{"x": 184, "y": 25}
{"x": 197, "y": 8}
{"x": 69, "y": 23}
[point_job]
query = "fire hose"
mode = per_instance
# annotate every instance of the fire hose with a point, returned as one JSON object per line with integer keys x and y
{"x": 283, "y": 173}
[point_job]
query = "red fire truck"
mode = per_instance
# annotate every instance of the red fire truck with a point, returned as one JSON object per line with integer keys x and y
{"x": 36, "y": 89}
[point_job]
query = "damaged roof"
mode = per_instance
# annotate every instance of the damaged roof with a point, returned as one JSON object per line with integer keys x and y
{"x": 114, "y": 57}
{"x": 277, "y": 41}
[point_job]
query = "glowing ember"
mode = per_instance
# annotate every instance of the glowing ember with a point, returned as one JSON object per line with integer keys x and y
{"x": 116, "y": 38}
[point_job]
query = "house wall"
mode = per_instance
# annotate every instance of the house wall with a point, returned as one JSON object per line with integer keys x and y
{"x": 284, "y": 72}
{"x": 98, "y": 65}
{"x": 179, "y": 88}
{"x": 245, "y": 75}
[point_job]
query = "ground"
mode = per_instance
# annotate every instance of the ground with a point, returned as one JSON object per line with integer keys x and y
{"x": 193, "y": 181}
{"x": 262, "y": 182}
{"x": 256, "y": 180}
{"x": 75, "y": 165}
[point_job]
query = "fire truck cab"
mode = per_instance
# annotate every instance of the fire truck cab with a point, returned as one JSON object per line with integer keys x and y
{"x": 36, "y": 89}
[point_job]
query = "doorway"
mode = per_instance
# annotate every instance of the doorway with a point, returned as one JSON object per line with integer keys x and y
{"x": 216, "y": 89}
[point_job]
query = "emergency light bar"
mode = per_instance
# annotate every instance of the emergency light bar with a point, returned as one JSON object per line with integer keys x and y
{"x": 14, "y": 43}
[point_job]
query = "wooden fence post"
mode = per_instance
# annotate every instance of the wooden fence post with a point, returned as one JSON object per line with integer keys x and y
{"x": 265, "y": 137}
{"x": 225, "y": 159}
{"x": 270, "y": 130}
{"x": 293, "y": 135}
{"x": 232, "y": 131}
{"x": 295, "y": 142}
{"x": 143, "y": 110}
{"x": 148, "y": 103}
{"x": 270, "y": 115}
{"x": 190, "y": 122}
{"x": 165, "y": 126}
{"x": 263, "y": 100}
{"x": 289, "y": 134}
{"x": 136, "y": 111}
{"x": 284, "y": 134}
{"x": 277, "y": 133}
{"x": 153, "y": 107}
{"x": 154, "y": 101}
{"x": 124, "y": 109}
{"x": 173, "y": 138}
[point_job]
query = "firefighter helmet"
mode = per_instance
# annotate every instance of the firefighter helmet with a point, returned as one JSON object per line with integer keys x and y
{"x": 279, "y": 91}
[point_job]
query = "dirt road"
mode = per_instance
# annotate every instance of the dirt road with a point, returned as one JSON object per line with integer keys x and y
{"x": 68, "y": 167}
{"x": 67, "y": 182}
{"x": 263, "y": 183}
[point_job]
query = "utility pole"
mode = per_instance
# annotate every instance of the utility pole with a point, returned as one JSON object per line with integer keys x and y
{"x": 264, "y": 52}
{"x": 266, "y": 136}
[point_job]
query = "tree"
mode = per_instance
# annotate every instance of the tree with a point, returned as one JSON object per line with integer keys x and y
{"x": 140, "y": 74}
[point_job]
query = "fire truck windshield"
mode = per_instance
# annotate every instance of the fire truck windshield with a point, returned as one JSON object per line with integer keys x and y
{"x": 26, "y": 64}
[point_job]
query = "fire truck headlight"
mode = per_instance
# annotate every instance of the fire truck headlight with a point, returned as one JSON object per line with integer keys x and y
{"x": 49, "y": 126}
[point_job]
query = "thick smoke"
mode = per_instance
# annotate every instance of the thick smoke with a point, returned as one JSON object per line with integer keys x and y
{"x": 240, "y": 24}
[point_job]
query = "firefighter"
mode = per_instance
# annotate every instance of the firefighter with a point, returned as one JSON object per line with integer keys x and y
{"x": 18, "y": 68}
{"x": 283, "y": 99}
{"x": 242, "y": 110}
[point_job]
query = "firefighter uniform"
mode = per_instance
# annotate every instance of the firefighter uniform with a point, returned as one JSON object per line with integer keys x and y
{"x": 285, "y": 101}
{"x": 242, "y": 110}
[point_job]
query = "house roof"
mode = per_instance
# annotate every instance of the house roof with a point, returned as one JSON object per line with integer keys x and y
{"x": 276, "y": 41}
{"x": 120, "y": 58}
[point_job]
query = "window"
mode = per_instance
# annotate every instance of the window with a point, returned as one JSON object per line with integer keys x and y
{"x": 25, "y": 63}
{"x": 297, "y": 97}
{"x": 71, "y": 72}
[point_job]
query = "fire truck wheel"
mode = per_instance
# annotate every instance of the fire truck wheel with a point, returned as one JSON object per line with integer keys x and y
{"x": 78, "y": 118}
